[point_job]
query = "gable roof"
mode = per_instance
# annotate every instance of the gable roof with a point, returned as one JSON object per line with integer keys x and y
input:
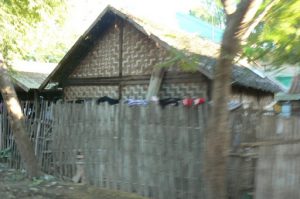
{"x": 169, "y": 39}
{"x": 30, "y": 75}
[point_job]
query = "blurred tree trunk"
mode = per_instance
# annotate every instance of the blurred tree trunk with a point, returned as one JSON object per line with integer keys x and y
{"x": 240, "y": 21}
{"x": 16, "y": 119}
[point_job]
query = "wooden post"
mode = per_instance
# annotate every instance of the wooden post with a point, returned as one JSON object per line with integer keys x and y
{"x": 121, "y": 35}
{"x": 36, "y": 103}
{"x": 155, "y": 82}
{"x": 80, "y": 176}
{"x": 37, "y": 120}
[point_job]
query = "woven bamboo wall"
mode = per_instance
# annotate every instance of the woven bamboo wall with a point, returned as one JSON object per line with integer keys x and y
{"x": 103, "y": 59}
{"x": 134, "y": 91}
{"x": 183, "y": 90}
{"x": 265, "y": 100}
{"x": 81, "y": 92}
{"x": 180, "y": 90}
{"x": 140, "y": 53}
{"x": 253, "y": 97}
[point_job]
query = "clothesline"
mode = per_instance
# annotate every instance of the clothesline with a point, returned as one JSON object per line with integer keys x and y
{"x": 162, "y": 102}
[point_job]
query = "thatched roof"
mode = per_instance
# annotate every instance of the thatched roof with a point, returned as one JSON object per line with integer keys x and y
{"x": 246, "y": 77}
{"x": 169, "y": 39}
{"x": 30, "y": 75}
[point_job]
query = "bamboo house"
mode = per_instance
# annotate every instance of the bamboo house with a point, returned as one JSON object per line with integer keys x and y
{"x": 121, "y": 56}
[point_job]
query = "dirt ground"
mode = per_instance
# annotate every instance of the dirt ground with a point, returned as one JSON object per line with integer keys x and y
{"x": 15, "y": 185}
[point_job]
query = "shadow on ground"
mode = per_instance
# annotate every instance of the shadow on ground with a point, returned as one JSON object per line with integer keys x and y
{"x": 14, "y": 185}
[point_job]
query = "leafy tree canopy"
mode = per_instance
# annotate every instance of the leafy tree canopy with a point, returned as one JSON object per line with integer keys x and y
{"x": 210, "y": 12}
{"x": 29, "y": 29}
{"x": 275, "y": 40}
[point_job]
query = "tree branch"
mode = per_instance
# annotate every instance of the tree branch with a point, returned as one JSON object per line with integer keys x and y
{"x": 258, "y": 19}
{"x": 246, "y": 12}
{"x": 229, "y": 6}
{"x": 237, "y": 24}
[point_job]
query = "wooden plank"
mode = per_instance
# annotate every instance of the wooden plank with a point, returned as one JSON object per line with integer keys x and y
{"x": 155, "y": 82}
{"x": 127, "y": 148}
{"x": 62, "y": 135}
{"x": 278, "y": 161}
{"x": 37, "y": 121}
{"x": 142, "y": 174}
{"x": 270, "y": 142}
{"x": 135, "y": 79}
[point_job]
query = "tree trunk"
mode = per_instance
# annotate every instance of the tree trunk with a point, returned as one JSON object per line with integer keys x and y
{"x": 16, "y": 118}
{"x": 218, "y": 132}
{"x": 217, "y": 139}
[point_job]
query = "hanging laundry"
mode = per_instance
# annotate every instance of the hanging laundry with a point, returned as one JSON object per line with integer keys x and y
{"x": 110, "y": 101}
{"x": 169, "y": 101}
{"x": 199, "y": 101}
{"x": 79, "y": 101}
{"x": 154, "y": 99}
{"x": 187, "y": 102}
{"x": 136, "y": 102}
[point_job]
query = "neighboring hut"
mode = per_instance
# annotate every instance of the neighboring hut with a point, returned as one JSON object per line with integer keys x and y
{"x": 27, "y": 77}
{"x": 119, "y": 56}
{"x": 284, "y": 74}
{"x": 289, "y": 103}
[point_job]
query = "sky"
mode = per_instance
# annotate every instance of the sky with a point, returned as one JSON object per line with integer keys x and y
{"x": 83, "y": 12}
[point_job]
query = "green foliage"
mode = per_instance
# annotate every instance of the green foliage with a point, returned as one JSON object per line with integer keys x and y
{"x": 276, "y": 39}
{"x": 5, "y": 153}
{"x": 21, "y": 25}
{"x": 211, "y": 12}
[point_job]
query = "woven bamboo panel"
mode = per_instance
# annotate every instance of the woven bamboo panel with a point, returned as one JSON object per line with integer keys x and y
{"x": 75, "y": 92}
{"x": 235, "y": 97}
{"x": 250, "y": 99}
{"x": 134, "y": 91}
{"x": 183, "y": 90}
{"x": 265, "y": 100}
{"x": 140, "y": 53}
{"x": 103, "y": 59}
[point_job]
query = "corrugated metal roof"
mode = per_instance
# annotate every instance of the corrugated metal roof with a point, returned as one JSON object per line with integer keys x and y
{"x": 30, "y": 75}
{"x": 28, "y": 80}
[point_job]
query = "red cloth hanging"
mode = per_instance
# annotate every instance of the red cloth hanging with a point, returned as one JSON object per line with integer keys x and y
{"x": 187, "y": 102}
{"x": 199, "y": 101}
